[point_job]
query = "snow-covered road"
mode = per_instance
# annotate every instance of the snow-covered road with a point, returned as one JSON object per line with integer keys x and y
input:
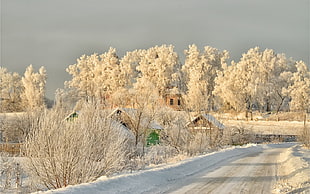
{"x": 250, "y": 169}
{"x": 253, "y": 172}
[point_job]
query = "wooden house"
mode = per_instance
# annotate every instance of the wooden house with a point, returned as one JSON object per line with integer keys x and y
{"x": 174, "y": 101}
{"x": 207, "y": 124}
{"x": 137, "y": 123}
{"x": 173, "y": 98}
{"x": 205, "y": 121}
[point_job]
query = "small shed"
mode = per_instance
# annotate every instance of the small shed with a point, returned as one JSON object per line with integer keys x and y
{"x": 205, "y": 121}
{"x": 207, "y": 125}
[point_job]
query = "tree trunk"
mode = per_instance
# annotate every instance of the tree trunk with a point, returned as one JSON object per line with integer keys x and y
{"x": 268, "y": 108}
{"x": 279, "y": 106}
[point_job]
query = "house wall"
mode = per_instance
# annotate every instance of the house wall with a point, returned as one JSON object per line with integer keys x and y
{"x": 174, "y": 101}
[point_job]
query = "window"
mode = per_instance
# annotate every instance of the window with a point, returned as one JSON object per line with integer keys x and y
{"x": 179, "y": 102}
{"x": 171, "y": 101}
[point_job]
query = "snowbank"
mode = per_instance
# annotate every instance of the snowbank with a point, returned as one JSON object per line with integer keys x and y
{"x": 294, "y": 171}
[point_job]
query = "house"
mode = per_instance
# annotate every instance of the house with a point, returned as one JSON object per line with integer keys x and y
{"x": 129, "y": 116}
{"x": 208, "y": 125}
{"x": 136, "y": 122}
{"x": 174, "y": 101}
{"x": 72, "y": 116}
{"x": 123, "y": 116}
{"x": 173, "y": 98}
{"x": 205, "y": 121}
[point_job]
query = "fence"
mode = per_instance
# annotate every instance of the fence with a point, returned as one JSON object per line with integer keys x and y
{"x": 11, "y": 148}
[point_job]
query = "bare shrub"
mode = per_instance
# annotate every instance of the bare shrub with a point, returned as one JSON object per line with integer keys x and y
{"x": 62, "y": 153}
{"x": 159, "y": 154}
{"x": 305, "y": 136}
{"x": 240, "y": 135}
{"x": 175, "y": 133}
{"x": 198, "y": 143}
{"x": 16, "y": 127}
{"x": 10, "y": 173}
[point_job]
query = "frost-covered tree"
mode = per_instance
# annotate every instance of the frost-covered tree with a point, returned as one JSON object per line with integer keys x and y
{"x": 157, "y": 67}
{"x": 34, "y": 87}
{"x": 10, "y": 91}
{"x": 129, "y": 64}
{"x": 200, "y": 71}
{"x": 259, "y": 78}
{"x": 271, "y": 76}
{"x": 83, "y": 76}
{"x": 299, "y": 91}
{"x": 96, "y": 77}
{"x": 109, "y": 75}
{"x": 235, "y": 84}
{"x": 144, "y": 99}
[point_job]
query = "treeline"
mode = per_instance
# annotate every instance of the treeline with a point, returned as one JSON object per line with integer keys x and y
{"x": 260, "y": 80}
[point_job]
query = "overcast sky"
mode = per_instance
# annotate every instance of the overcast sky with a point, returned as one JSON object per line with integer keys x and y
{"x": 54, "y": 33}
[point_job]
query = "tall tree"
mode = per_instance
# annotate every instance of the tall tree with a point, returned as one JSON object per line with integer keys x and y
{"x": 157, "y": 67}
{"x": 235, "y": 84}
{"x": 200, "y": 71}
{"x": 10, "y": 91}
{"x": 129, "y": 64}
{"x": 300, "y": 89}
{"x": 259, "y": 78}
{"x": 34, "y": 84}
{"x": 96, "y": 77}
{"x": 271, "y": 76}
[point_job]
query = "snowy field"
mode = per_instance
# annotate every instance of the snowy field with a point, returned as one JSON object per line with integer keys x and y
{"x": 270, "y": 168}
{"x": 268, "y": 127}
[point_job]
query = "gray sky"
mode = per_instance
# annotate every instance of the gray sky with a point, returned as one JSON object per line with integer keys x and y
{"x": 54, "y": 33}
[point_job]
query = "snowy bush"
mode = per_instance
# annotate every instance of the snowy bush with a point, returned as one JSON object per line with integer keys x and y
{"x": 63, "y": 152}
{"x": 9, "y": 130}
{"x": 10, "y": 173}
{"x": 198, "y": 144}
{"x": 240, "y": 135}
{"x": 16, "y": 127}
{"x": 175, "y": 133}
{"x": 159, "y": 154}
{"x": 305, "y": 136}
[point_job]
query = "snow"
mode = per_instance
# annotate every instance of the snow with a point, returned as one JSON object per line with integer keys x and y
{"x": 177, "y": 177}
{"x": 294, "y": 171}
{"x": 268, "y": 127}
{"x": 157, "y": 179}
